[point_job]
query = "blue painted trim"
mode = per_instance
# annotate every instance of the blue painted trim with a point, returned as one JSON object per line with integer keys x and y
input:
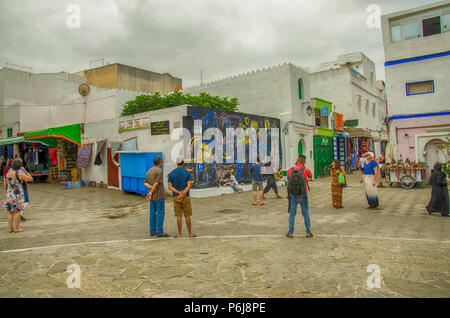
{"x": 406, "y": 85}
{"x": 415, "y": 59}
{"x": 419, "y": 115}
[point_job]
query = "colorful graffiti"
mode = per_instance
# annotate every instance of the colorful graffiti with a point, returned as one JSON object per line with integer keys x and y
{"x": 208, "y": 175}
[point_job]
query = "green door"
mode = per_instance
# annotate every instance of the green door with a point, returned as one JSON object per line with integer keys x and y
{"x": 300, "y": 148}
{"x": 323, "y": 154}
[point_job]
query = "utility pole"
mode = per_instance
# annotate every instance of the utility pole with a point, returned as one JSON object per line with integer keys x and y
{"x": 201, "y": 78}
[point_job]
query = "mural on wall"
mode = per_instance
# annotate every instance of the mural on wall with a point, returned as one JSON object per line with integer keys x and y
{"x": 208, "y": 174}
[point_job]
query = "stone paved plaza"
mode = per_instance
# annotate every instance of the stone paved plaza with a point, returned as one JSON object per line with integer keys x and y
{"x": 240, "y": 251}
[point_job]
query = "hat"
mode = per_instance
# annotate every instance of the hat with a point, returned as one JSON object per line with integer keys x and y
{"x": 371, "y": 154}
{"x": 180, "y": 161}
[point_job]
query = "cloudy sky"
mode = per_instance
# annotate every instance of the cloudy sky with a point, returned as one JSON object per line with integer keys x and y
{"x": 183, "y": 37}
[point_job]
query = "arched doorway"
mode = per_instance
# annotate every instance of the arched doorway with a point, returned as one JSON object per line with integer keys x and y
{"x": 300, "y": 147}
{"x": 433, "y": 153}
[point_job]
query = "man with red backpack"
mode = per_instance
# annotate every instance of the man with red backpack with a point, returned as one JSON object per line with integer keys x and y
{"x": 298, "y": 178}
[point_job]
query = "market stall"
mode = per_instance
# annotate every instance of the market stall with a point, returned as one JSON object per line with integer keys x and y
{"x": 33, "y": 154}
{"x": 63, "y": 143}
{"x": 406, "y": 176}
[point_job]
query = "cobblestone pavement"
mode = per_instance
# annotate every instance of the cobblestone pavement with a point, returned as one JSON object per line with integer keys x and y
{"x": 240, "y": 251}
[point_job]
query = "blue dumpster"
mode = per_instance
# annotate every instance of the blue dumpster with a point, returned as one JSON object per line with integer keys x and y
{"x": 133, "y": 168}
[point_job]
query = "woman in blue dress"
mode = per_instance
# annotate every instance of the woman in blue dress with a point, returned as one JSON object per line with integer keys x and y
{"x": 369, "y": 179}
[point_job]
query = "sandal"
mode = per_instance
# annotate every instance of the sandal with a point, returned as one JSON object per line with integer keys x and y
{"x": 289, "y": 235}
{"x": 17, "y": 231}
{"x": 192, "y": 235}
{"x": 164, "y": 235}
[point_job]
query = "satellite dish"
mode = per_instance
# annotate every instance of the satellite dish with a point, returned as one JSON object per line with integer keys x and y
{"x": 84, "y": 89}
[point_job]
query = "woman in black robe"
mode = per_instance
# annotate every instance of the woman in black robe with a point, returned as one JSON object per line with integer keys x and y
{"x": 439, "y": 191}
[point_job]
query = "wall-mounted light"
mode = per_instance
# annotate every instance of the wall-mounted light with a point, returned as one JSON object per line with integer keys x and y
{"x": 285, "y": 130}
{"x": 309, "y": 110}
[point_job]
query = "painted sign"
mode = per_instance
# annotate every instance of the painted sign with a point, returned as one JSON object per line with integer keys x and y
{"x": 208, "y": 174}
{"x": 134, "y": 124}
{"x": 160, "y": 128}
{"x": 339, "y": 121}
{"x": 324, "y": 111}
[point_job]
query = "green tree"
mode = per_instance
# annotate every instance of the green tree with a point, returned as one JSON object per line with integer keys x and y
{"x": 145, "y": 103}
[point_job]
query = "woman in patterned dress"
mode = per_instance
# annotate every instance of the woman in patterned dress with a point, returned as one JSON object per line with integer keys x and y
{"x": 336, "y": 187}
{"x": 14, "y": 195}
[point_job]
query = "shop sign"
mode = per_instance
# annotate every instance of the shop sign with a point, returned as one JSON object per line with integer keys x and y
{"x": 134, "y": 124}
{"x": 339, "y": 121}
{"x": 160, "y": 128}
{"x": 351, "y": 123}
{"x": 324, "y": 111}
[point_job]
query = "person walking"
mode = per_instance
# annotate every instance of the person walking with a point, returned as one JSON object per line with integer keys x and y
{"x": 298, "y": 178}
{"x": 180, "y": 182}
{"x": 14, "y": 195}
{"x": 362, "y": 162}
{"x": 336, "y": 186}
{"x": 257, "y": 182}
{"x": 270, "y": 180}
{"x": 369, "y": 179}
{"x": 439, "y": 191}
{"x": 154, "y": 180}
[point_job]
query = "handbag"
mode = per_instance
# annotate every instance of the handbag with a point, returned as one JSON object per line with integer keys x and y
{"x": 342, "y": 180}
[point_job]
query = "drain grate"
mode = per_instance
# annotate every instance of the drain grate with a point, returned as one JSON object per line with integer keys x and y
{"x": 228, "y": 211}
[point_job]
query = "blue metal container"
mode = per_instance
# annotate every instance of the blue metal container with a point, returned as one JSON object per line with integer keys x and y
{"x": 134, "y": 167}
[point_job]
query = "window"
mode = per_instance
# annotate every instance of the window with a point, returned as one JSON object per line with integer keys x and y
{"x": 373, "y": 110}
{"x": 321, "y": 121}
{"x": 417, "y": 88}
{"x": 359, "y": 103}
{"x": 9, "y": 132}
{"x": 396, "y": 33}
{"x": 300, "y": 89}
{"x": 317, "y": 117}
{"x": 412, "y": 30}
{"x": 431, "y": 26}
{"x": 445, "y": 23}
{"x": 367, "y": 106}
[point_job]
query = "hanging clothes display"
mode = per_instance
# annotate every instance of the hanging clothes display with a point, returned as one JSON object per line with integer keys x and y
{"x": 53, "y": 153}
{"x": 98, "y": 159}
{"x": 84, "y": 156}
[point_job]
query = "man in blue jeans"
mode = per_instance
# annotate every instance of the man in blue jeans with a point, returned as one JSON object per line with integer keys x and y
{"x": 301, "y": 199}
{"x": 154, "y": 180}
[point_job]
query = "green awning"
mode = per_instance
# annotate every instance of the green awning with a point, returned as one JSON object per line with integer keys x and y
{"x": 71, "y": 133}
{"x": 17, "y": 140}
{"x": 10, "y": 141}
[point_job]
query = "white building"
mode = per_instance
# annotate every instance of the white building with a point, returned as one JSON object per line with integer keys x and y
{"x": 33, "y": 101}
{"x": 282, "y": 92}
{"x": 350, "y": 83}
{"x": 417, "y": 50}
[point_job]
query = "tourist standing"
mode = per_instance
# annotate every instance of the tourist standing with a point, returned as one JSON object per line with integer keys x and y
{"x": 154, "y": 180}
{"x": 14, "y": 195}
{"x": 257, "y": 182}
{"x": 369, "y": 178}
{"x": 439, "y": 191}
{"x": 336, "y": 187}
{"x": 298, "y": 178}
{"x": 180, "y": 182}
